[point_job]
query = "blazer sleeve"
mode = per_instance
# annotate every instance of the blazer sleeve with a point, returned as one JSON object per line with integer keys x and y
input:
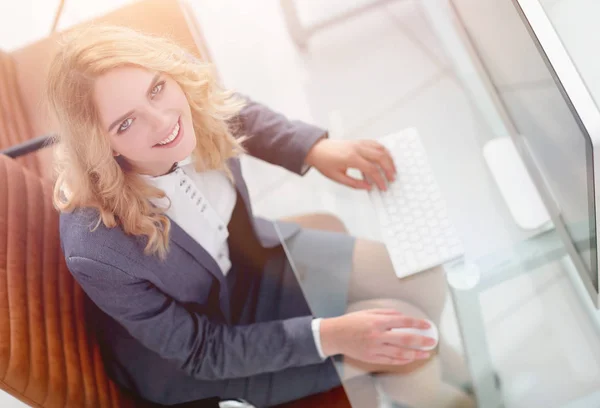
{"x": 203, "y": 349}
{"x": 275, "y": 139}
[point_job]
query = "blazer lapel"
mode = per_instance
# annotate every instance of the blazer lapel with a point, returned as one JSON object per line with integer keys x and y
{"x": 182, "y": 238}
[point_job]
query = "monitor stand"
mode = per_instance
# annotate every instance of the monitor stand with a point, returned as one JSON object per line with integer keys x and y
{"x": 515, "y": 185}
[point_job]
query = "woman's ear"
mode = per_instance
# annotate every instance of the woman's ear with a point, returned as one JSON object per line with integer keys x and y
{"x": 115, "y": 154}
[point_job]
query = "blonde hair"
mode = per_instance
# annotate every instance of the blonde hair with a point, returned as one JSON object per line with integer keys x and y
{"x": 88, "y": 175}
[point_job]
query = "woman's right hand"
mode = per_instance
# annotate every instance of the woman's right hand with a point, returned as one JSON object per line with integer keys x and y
{"x": 366, "y": 336}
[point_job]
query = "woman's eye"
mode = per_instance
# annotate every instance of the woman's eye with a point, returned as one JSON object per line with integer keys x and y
{"x": 157, "y": 88}
{"x": 125, "y": 125}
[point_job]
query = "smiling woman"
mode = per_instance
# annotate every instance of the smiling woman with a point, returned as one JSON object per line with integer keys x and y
{"x": 129, "y": 107}
{"x": 193, "y": 296}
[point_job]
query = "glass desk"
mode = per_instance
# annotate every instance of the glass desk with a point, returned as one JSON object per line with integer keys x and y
{"x": 517, "y": 309}
{"x": 528, "y": 332}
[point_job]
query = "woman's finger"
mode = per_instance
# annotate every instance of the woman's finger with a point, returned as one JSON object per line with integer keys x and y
{"x": 373, "y": 144}
{"x": 345, "y": 179}
{"x": 371, "y": 172}
{"x": 396, "y": 322}
{"x": 401, "y": 354}
{"x": 382, "y": 158}
{"x": 407, "y": 340}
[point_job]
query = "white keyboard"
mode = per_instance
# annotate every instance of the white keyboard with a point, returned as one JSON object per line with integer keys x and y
{"x": 412, "y": 212}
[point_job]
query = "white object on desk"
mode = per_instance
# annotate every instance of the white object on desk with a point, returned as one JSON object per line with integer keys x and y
{"x": 235, "y": 404}
{"x": 462, "y": 275}
{"x": 432, "y": 333}
{"x": 412, "y": 213}
{"x": 515, "y": 184}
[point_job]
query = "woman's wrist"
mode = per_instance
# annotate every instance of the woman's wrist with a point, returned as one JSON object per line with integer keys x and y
{"x": 329, "y": 336}
{"x": 309, "y": 160}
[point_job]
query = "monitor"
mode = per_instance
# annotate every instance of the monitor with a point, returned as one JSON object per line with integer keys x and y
{"x": 555, "y": 121}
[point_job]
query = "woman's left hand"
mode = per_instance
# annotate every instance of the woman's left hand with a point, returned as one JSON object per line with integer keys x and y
{"x": 333, "y": 158}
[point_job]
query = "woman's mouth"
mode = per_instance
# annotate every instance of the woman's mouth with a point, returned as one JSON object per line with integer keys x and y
{"x": 173, "y": 137}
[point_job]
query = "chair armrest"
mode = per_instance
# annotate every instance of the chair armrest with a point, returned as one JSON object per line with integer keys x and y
{"x": 29, "y": 146}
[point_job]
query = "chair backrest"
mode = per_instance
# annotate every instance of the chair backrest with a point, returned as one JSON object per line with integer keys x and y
{"x": 47, "y": 356}
{"x": 14, "y": 124}
{"x": 23, "y": 71}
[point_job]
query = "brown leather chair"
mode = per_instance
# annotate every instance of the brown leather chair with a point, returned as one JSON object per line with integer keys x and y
{"x": 47, "y": 356}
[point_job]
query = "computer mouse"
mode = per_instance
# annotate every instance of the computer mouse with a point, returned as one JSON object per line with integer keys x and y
{"x": 432, "y": 332}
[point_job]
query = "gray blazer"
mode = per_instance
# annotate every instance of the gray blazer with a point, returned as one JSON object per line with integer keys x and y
{"x": 164, "y": 342}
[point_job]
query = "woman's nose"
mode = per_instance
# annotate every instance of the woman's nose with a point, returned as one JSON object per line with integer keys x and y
{"x": 161, "y": 121}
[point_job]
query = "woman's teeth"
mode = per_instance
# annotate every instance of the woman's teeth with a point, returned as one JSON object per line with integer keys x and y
{"x": 171, "y": 137}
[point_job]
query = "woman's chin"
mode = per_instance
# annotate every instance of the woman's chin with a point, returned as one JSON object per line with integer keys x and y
{"x": 179, "y": 152}
{"x": 185, "y": 149}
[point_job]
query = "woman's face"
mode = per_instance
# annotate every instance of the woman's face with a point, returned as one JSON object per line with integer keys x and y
{"x": 147, "y": 118}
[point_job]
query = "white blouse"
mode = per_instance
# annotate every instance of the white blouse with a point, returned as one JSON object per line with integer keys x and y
{"x": 208, "y": 198}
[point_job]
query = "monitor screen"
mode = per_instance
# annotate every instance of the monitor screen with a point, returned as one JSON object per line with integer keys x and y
{"x": 541, "y": 112}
